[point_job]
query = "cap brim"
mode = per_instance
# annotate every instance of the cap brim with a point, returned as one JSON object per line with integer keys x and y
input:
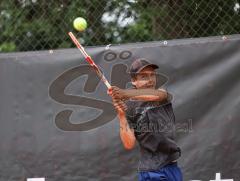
{"x": 149, "y": 65}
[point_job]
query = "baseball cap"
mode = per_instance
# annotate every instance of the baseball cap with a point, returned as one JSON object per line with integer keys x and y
{"x": 140, "y": 64}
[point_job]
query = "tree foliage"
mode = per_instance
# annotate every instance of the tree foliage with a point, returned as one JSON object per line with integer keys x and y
{"x": 43, "y": 24}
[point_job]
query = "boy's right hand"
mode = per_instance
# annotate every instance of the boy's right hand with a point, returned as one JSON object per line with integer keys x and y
{"x": 120, "y": 106}
{"x": 118, "y": 103}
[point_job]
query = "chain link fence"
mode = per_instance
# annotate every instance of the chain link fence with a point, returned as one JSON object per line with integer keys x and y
{"x": 27, "y": 25}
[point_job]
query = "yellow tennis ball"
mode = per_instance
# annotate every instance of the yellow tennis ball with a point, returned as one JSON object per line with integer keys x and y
{"x": 80, "y": 24}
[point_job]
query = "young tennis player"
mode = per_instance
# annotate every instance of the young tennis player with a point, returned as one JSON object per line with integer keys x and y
{"x": 148, "y": 118}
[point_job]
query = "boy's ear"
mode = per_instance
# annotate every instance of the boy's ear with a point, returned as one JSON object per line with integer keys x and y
{"x": 133, "y": 81}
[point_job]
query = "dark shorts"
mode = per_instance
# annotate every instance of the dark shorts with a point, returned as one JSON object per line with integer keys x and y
{"x": 168, "y": 173}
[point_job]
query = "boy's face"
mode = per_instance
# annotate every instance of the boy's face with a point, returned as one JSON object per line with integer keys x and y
{"x": 146, "y": 78}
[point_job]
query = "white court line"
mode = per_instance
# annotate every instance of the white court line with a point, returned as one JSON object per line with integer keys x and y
{"x": 36, "y": 179}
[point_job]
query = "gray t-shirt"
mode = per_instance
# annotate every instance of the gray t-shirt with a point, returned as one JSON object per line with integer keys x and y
{"x": 154, "y": 128}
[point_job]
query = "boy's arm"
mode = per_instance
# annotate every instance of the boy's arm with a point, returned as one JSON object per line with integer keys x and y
{"x": 146, "y": 94}
{"x": 126, "y": 133}
{"x": 140, "y": 94}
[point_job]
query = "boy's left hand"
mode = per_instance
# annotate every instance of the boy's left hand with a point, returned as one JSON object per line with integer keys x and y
{"x": 117, "y": 93}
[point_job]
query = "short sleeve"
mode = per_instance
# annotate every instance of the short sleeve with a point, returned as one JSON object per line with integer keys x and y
{"x": 169, "y": 95}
